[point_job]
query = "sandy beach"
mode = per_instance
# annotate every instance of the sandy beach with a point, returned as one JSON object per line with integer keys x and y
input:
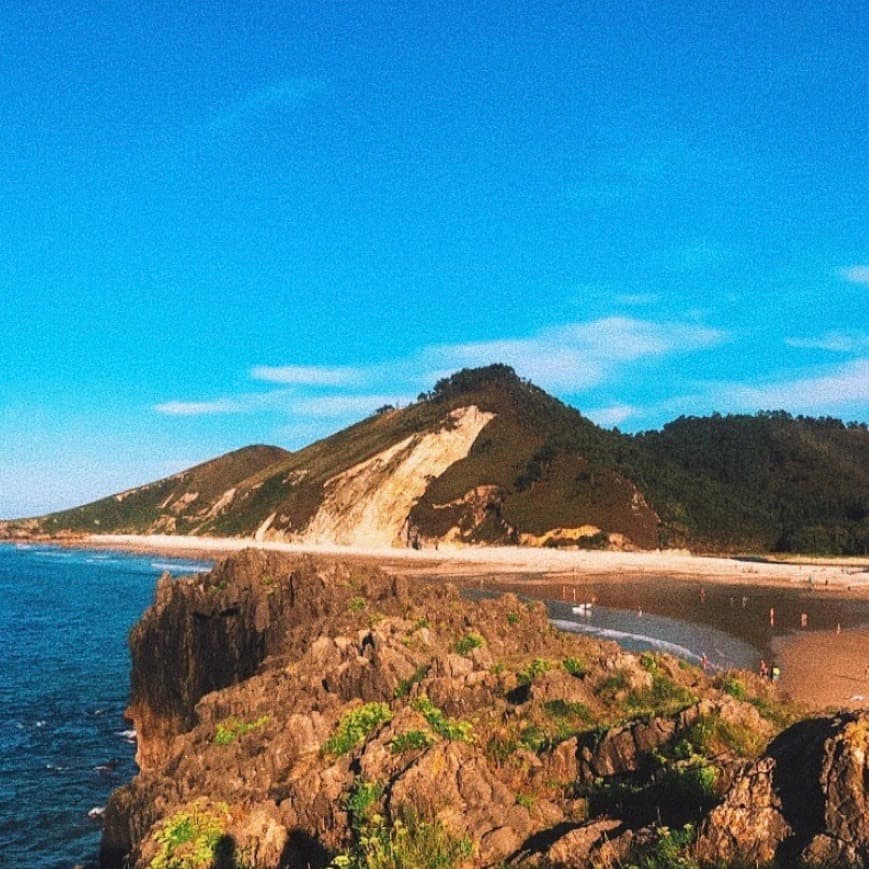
{"x": 824, "y": 669}
{"x": 851, "y": 575}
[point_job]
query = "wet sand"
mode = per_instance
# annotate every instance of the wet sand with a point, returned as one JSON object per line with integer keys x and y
{"x": 735, "y": 609}
{"x": 824, "y": 669}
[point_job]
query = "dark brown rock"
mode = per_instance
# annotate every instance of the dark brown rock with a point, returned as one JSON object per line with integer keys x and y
{"x": 806, "y": 799}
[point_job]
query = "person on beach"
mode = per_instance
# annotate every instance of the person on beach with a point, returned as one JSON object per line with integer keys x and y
{"x": 764, "y": 669}
{"x": 776, "y": 673}
{"x": 704, "y": 662}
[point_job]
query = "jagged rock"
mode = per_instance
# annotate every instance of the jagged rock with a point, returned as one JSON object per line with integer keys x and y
{"x": 806, "y": 799}
{"x": 624, "y": 749}
{"x": 277, "y": 654}
{"x": 603, "y": 843}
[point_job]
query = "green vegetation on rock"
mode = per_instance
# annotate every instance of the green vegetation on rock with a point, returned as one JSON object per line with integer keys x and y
{"x": 355, "y": 726}
{"x": 189, "y": 839}
{"x": 228, "y": 730}
{"x": 470, "y": 641}
{"x": 448, "y": 728}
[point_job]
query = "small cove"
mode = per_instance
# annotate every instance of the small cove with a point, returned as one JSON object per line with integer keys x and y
{"x": 730, "y": 624}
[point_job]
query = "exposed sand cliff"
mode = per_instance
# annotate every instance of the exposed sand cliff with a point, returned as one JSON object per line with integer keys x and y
{"x": 368, "y": 504}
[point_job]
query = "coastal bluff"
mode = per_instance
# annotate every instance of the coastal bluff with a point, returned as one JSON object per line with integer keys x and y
{"x": 294, "y": 711}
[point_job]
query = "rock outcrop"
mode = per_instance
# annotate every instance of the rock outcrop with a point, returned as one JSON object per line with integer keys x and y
{"x": 805, "y": 801}
{"x": 292, "y": 710}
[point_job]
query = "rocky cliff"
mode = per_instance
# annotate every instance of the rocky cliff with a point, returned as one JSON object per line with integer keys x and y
{"x": 298, "y": 712}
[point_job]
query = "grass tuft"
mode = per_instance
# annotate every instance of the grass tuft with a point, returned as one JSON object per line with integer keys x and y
{"x": 355, "y": 727}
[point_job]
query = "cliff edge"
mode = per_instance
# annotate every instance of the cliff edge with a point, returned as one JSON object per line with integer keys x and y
{"x": 298, "y": 712}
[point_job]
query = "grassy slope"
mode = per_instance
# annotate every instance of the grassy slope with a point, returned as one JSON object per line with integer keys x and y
{"x": 137, "y": 511}
{"x": 553, "y": 466}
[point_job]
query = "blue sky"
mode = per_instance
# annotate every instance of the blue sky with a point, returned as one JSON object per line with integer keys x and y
{"x": 259, "y": 223}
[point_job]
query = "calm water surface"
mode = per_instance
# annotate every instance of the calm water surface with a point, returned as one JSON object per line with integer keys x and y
{"x": 728, "y": 623}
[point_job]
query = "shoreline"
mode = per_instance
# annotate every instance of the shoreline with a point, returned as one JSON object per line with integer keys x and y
{"x": 847, "y": 575}
{"x": 820, "y": 668}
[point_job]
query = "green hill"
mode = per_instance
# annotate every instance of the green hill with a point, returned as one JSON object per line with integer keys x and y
{"x": 769, "y": 481}
{"x": 486, "y": 457}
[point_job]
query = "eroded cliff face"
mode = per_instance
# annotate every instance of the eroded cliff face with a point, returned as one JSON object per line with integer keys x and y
{"x": 369, "y": 504}
{"x": 291, "y": 710}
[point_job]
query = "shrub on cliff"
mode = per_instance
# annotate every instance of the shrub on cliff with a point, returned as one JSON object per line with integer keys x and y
{"x": 355, "y": 726}
{"x": 228, "y": 730}
{"x": 405, "y": 842}
{"x": 189, "y": 839}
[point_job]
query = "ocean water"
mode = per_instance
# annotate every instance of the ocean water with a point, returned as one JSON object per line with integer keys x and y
{"x": 64, "y": 682}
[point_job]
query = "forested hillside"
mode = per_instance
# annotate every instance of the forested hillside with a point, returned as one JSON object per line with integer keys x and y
{"x": 770, "y": 480}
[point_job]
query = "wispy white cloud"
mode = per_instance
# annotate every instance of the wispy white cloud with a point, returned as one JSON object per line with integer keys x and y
{"x": 250, "y": 402}
{"x": 637, "y": 298}
{"x": 201, "y": 408}
{"x": 287, "y": 94}
{"x": 843, "y": 386}
{"x": 578, "y": 356}
{"x": 614, "y": 414}
{"x": 309, "y": 375}
{"x": 639, "y": 169}
{"x": 566, "y": 359}
{"x": 836, "y": 342}
{"x": 855, "y": 274}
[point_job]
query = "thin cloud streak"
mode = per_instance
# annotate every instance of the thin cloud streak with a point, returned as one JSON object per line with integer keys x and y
{"x": 844, "y": 386}
{"x": 309, "y": 375}
{"x": 607, "y": 417}
{"x": 835, "y": 342}
{"x": 565, "y": 359}
{"x": 579, "y": 356}
{"x": 201, "y": 408}
{"x": 855, "y": 274}
{"x": 287, "y": 94}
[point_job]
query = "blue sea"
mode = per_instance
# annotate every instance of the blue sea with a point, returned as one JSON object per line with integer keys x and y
{"x": 64, "y": 683}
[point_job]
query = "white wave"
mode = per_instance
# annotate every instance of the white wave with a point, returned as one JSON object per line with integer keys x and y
{"x": 618, "y": 636}
{"x": 175, "y": 567}
{"x": 96, "y": 812}
{"x": 127, "y": 734}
